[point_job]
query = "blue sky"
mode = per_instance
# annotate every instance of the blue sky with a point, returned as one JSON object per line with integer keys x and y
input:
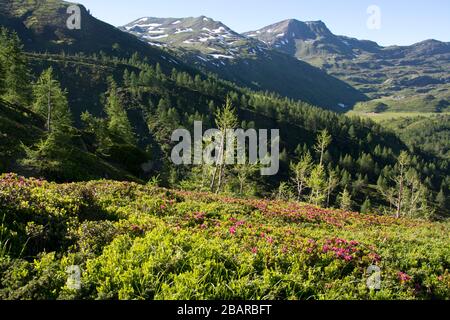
{"x": 403, "y": 22}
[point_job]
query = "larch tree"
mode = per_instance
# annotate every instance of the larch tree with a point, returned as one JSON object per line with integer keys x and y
{"x": 244, "y": 172}
{"x": 345, "y": 200}
{"x": 408, "y": 195}
{"x": 403, "y": 161}
{"x": 51, "y": 153}
{"x": 2, "y": 78}
{"x": 226, "y": 119}
{"x": 323, "y": 141}
{"x": 301, "y": 171}
{"x": 50, "y": 101}
{"x": 366, "y": 206}
{"x": 441, "y": 200}
{"x": 317, "y": 184}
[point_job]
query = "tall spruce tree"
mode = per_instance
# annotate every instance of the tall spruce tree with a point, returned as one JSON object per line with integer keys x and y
{"x": 16, "y": 76}
{"x": 2, "y": 77}
{"x": 118, "y": 123}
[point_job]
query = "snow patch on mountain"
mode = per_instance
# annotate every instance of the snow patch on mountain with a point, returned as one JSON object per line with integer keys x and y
{"x": 184, "y": 30}
{"x": 156, "y": 37}
{"x": 221, "y": 56}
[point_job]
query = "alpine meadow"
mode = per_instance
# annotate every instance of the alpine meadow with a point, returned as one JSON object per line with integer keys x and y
{"x": 179, "y": 159}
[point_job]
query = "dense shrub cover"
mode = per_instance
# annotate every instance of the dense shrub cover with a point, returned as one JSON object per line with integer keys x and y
{"x": 140, "y": 242}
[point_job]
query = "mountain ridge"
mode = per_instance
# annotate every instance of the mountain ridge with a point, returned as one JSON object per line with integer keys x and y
{"x": 212, "y": 46}
{"x": 378, "y": 71}
{"x": 42, "y": 28}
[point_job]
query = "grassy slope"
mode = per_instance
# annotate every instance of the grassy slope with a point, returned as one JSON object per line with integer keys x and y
{"x": 406, "y": 103}
{"x": 385, "y": 116}
{"x": 137, "y": 242}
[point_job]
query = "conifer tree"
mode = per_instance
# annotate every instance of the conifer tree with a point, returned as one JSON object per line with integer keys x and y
{"x": 441, "y": 200}
{"x": 16, "y": 77}
{"x": 243, "y": 174}
{"x": 118, "y": 122}
{"x": 2, "y": 78}
{"x": 50, "y": 101}
{"x": 226, "y": 119}
{"x": 323, "y": 141}
{"x": 367, "y": 206}
{"x": 345, "y": 200}
{"x": 52, "y": 155}
{"x": 403, "y": 161}
{"x": 301, "y": 171}
{"x": 332, "y": 183}
{"x": 317, "y": 184}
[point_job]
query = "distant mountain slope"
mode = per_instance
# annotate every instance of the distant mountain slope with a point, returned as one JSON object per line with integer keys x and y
{"x": 213, "y": 46}
{"x": 42, "y": 26}
{"x": 377, "y": 71}
{"x": 310, "y": 39}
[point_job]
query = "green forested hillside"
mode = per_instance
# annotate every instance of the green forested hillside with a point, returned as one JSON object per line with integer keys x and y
{"x": 361, "y": 158}
{"x": 21, "y": 128}
{"x": 94, "y": 206}
{"x": 430, "y": 134}
{"x": 42, "y": 27}
{"x": 212, "y": 46}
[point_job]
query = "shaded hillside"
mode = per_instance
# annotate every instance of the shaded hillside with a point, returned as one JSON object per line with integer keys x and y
{"x": 21, "y": 128}
{"x": 42, "y": 27}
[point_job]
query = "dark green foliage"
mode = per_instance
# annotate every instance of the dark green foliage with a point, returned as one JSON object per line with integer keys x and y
{"x": 366, "y": 207}
{"x": 429, "y": 134}
{"x": 118, "y": 123}
{"x": 441, "y": 201}
{"x": 14, "y": 73}
{"x": 154, "y": 101}
{"x": 2, "y": 77}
